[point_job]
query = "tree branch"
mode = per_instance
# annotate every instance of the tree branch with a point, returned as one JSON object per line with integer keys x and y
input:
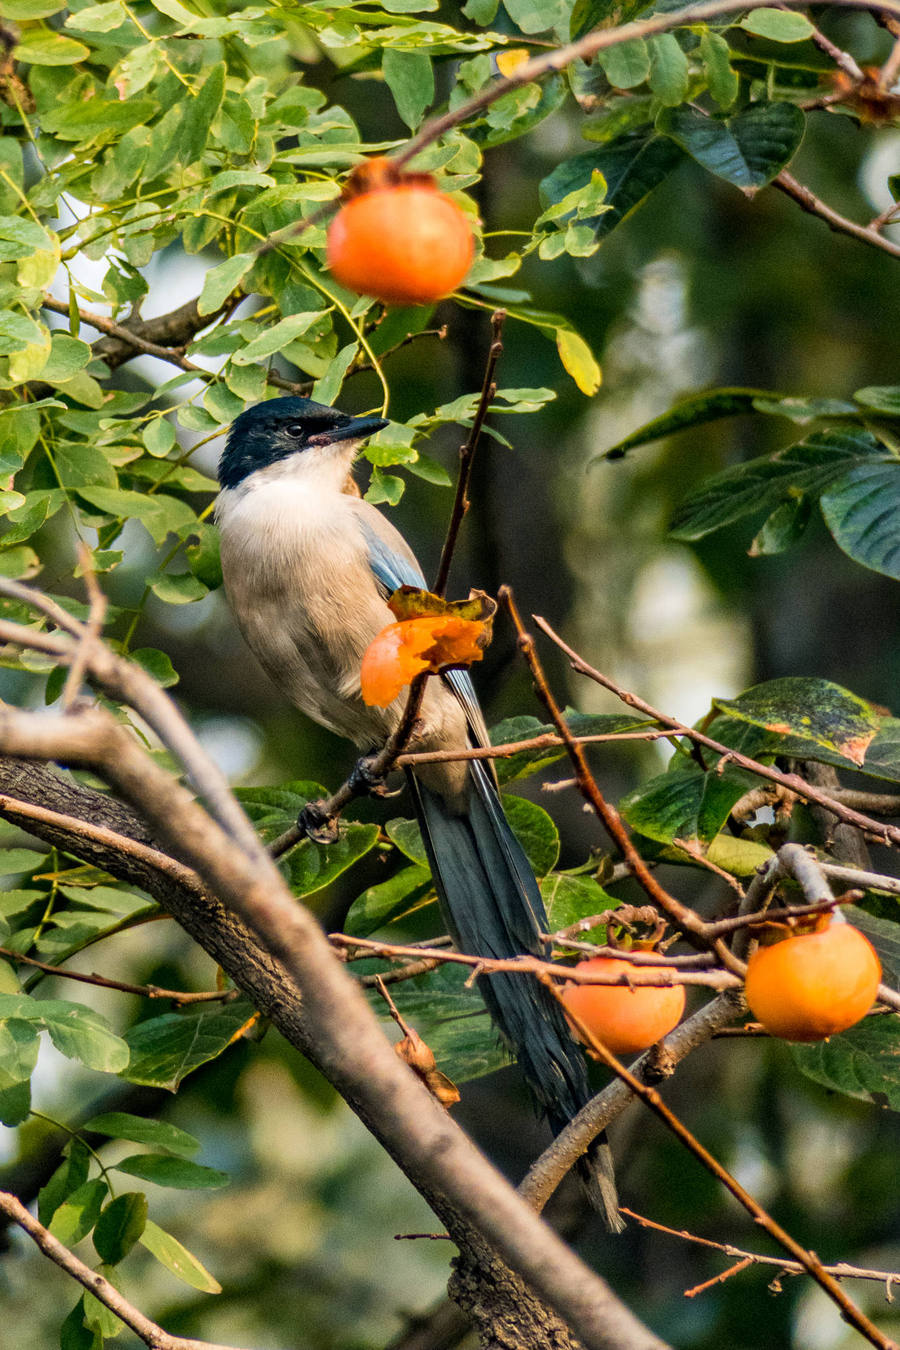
{"x": 152, "y": 1335}
{"x": 339, "y": 1032}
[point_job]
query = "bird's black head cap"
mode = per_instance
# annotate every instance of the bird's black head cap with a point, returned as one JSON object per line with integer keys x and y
{"x": 282, "y": 427}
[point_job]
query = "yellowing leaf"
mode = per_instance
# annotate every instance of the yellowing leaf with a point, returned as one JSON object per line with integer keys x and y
{"x": 578, "y": 360}
{"x": 509, "y": 61}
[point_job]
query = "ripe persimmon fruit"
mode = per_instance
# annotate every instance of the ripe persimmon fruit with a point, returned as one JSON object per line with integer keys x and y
{"x": 627, "y": 1019}
{"x": 812, "y": 985}
{"x": 397, "y": 237}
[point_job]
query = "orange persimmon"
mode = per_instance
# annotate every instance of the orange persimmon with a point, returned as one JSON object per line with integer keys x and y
{"x": 626, "y": 1018}
{"x": 812, "y": 985}
{"x": 397, "y": 237}
{"x": 402, "y": 650}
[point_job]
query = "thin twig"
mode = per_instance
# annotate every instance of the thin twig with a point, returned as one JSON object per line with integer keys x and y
{"x": 809, "y": 202}
{"x": 555, "y": 1162}
{"x": 92, "y": 630}
{"x": 843, "y": 60}
{"x": 556, "y": 60}
{"x": 378, "y": 767}
{"x": 149, "y": 1332}
{"x": 807, "y": 1259}
{"x": 461, "y": 501}
{"x": 179, "y": 996}
{"x": 659, "y": 976}
{"x": 687, "y": 920}
{"x": 841, "y": 1270}
{"x": 890, "y": 71}
{"x": 548, "y": 740}
{"x": 125, "y": 681}
{"x": 793, "y": 782}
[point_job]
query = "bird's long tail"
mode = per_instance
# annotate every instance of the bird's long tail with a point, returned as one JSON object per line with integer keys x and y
{"x": 493, "y": 908}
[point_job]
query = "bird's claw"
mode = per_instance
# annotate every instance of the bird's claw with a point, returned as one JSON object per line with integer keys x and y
{"x": 317, "y": 824}
{"x": 363, "y": 781}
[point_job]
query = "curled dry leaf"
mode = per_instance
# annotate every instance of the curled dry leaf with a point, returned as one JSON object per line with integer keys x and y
{"x": 420, "y": 1059}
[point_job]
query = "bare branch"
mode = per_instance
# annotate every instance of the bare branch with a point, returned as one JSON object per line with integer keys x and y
{"x": 342, "y": 1034}
{"x": 809, "y": 202}
{"x": 467, "y": 452}
{"x": 841, "y": 1270}
{"x": 890, "y": 834}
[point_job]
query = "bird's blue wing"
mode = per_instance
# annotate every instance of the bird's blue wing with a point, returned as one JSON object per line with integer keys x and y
{"x": 390, "y": 568}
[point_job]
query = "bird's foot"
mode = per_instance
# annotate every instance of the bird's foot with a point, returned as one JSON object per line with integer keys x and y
{"x": 364, "y": 781}
{"x": 315, "y": 822}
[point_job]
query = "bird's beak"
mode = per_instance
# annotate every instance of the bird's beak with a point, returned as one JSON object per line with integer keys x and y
{"x": 356, "y": 429}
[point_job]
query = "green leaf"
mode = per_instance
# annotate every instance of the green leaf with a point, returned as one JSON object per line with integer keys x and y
{"x": 410, "y": 78}
{"x": 40, "y": 47}
{"x": 310, "y": 867}
{"x": 16, "y": 861}
{"x": 862, "y": 1062}
{"x": 740, "y": 857}
{"x": 98, "y": 18}
{"x": 156, "y": 663}
{"x": 84, "y": 120}
{"x": 568, "y": 899}
{"x": 142, "y": 1130}
{"x": 590, "y": 14}
{"x": 631, "y": 166}
{"x": 177, "y": 1173}
{"x": 76, "y": 1031}
{"x": 669, "y": 70}
{"x": 276, "y": 338}
{"x": 880, "y": 398}
{"x": 407, "y": 836}
{"x": 748, "y": 149}
{"x": 178, "y": 588}
{"x": 814, "y": 710}
{"x": 120, "y": 1226}
{"x": 19, "y": 1046}
{"x": 782, "y": 528}
{"x": 219, "y": 282}
{"x": 164, "y": 1050}
{"x": 685, "y": 803}
{"x": 402, "y": 894}
{"x": 68, "y": 1177}
{"x": 536, "y": 16}
{"x": 73, "y": 1334}
{"x": 67, "y": 357}
{"x": 177, "y": 1259}
{"x": 78, "y": 1213}
{"x": 535, "y": 831}
{"x": 778, "y": 25}
{"x": 97, "y": 1315}
{"x": 627, "y": 64}
{"x": 15, "y": 1104}
{"x": 723, "y": 82}
{"x": 327, "y": 389}
{"x": 810, "y": 466}
{"x": 862, "y": 511}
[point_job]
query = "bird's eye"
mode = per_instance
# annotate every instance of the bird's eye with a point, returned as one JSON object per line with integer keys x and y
{"x": 296, "y": 430}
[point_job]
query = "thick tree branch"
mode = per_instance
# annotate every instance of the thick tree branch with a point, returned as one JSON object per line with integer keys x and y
{"x": 340, "y": 1033}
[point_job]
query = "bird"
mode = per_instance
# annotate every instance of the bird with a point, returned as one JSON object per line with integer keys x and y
{"x": 308, "y": 566}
